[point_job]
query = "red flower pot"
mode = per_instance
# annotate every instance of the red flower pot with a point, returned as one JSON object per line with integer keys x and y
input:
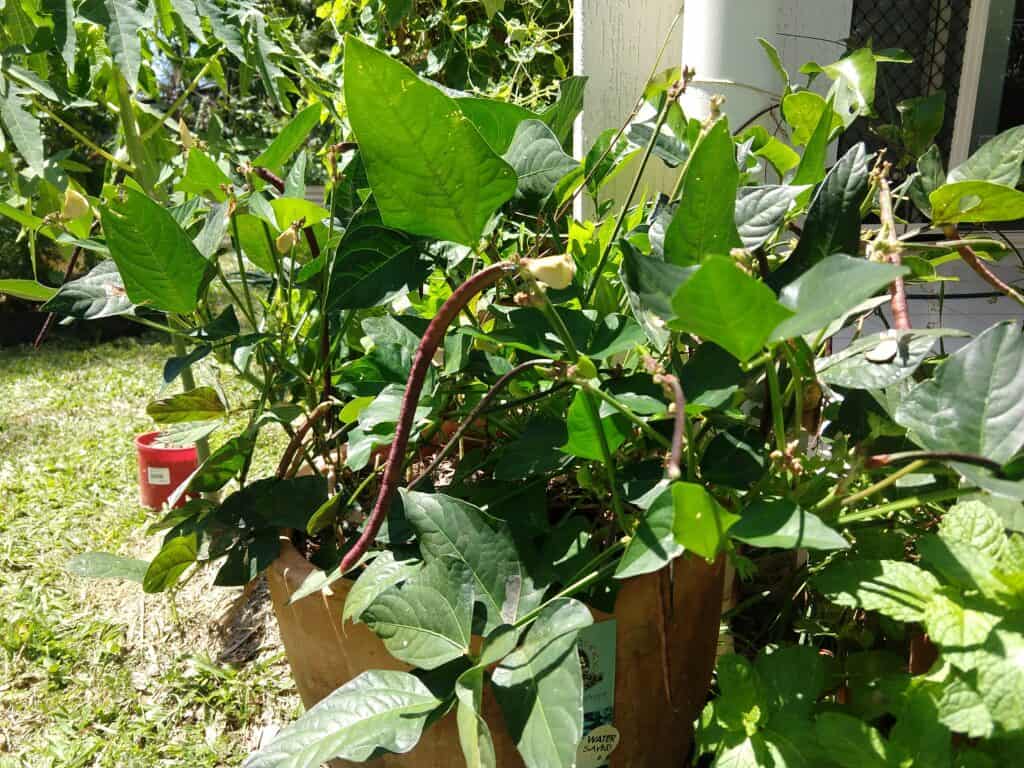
{"x": 162, "y": 470}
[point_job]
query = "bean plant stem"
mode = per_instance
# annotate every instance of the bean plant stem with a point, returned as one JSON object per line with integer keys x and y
{"x": 774, "y": 394}
{"x": 920, "y": 499}
{"x": 884, "y": 483}
{"x": 176, "y": 105}
{"x": 630, "y": 414}
{"x": 971, "y": 258}
{"x": 188, "y": 383}
{"x": 569, "y": 591}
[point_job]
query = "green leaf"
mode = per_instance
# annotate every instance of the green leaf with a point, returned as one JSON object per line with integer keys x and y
{"x": 431, "y": 173}
{"x": 291, "y": 138}
{"x": 274, "y": 504}
{"x": 203, "y": 176}
{"x": 425, "y": 622}
{"x": 701, "y": 524}
{"x": 381, "y": 574}
{"x": 376, "y": 710}
{"x": 537, "y": 157}
{"x": 814, "y": 301}
{"x": 703, "y": 223}
{"x": 496, "y": 120}
{"x": 22, "y": 126}
{"x": 650, "y": 283}
{"x": 803, "y": 111}
{"x": 722, "y": 304}
{"x": 100, "y": 293}
{"x": 289, "y": 210}
{"x": 174, "y": 366}
{"x": 975, "y": 523}
{"x": 852, "y": 743}
{"x": 812, "y": 163}
{"x": 249, "y": 558}
{"x": 712, "y": 377}
{"x": 880, "y": 360}
{"x": 921, "y": 120}
{"x": 776, "y": 60}
{"x": 256, "y": 243}
{"x": 103, "y": 565}
{"x": 584, "y": 439}
{"x": 854, "y": 87}
{"x": 198, "y": 404}
{"x": 492, "y": 7}
{"x": 456, "y": 531}
{"x": 833, "y": 219}
{"x": 653, "y": 544}
{"x": 792, "y": 678}
{"x": 975, "y": 402}
{"x": 474, "y": 734}
{"x": 158, "y": 263}
{"x": 561, "y": 115}
{"x": 126, "y": 19}
{"x": 781, "y": 523}
{"x": 29, "y": 290}
{"x": 223, "y": 464}
{"x": 976, "y": 201}
{"x": 895, "y": 589}
{"x": 998, "y": 160}
{"x": 963, "y": 565}
{"x": 62, "y": 12}
{"x": 174, "y": 557}
{"x": 539, "y": 687}
{"x": 760, "y": 211}
{"x": 931, "y": 174}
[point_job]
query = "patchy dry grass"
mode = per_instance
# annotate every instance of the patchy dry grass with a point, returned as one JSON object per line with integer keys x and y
{"x": 95, "y": 673}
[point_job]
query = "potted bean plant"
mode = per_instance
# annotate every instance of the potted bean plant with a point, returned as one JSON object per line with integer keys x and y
{"x": 523, "y": 450}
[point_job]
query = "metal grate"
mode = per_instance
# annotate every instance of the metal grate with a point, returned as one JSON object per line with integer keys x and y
{"x": 934, "y": 33}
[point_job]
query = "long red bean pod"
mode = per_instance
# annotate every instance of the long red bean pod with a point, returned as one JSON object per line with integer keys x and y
{"x": 420, "y": 364}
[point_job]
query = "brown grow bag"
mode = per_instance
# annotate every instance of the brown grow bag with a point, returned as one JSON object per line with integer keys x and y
{"x": 666, "y": 640}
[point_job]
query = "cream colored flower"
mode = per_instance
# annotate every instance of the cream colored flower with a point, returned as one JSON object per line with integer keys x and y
{"x": 187, "y": 139}
{"x": 75, "y": 205}
{"x": 554, "y": 271}
{"x": 286, "y": 240}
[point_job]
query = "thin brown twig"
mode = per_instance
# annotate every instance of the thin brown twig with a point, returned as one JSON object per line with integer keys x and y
{"x": 891, "y": 249}
{"x": 971, "y": 259}
{"x": 295, "y": 443}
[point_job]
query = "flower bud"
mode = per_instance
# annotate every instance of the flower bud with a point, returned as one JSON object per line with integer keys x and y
{"x": 554, "y": 271}
{"x": 585, "y": 368}
{"x": 286, "y": 241}
{"x": 75, "y": 205}
{"x": 187, "y": 139}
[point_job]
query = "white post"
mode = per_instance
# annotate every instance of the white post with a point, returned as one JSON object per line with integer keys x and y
{"x": 720, "y": 44}
{"x": 616, "y": 44}
{"x": 970, "y": 81}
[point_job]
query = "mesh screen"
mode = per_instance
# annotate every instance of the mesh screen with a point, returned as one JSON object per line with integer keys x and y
{"x": 933, "y": 32}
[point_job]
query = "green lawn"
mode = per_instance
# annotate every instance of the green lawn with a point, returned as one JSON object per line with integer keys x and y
{"x": 93, "y": 673}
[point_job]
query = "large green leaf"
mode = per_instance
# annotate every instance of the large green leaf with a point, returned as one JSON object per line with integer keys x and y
{"x": 833, "y": 219}
{"x": 100, "y": 293}
{"x": 126, "y": 20}
{"x": 157, "y": 260}
{"x": 722, "y": 304}
{"x": 454, "y": 530}
{"x": 425, "y": 622}
{"x": 373, "y": 265}
{"x": 29, "y": 290}
{"x": 381, "y": 574}
{"x": 653, "y": 544}
{"x": 289, "y": 140}
{"x": 975, "y": 402}
{"x": 921, "y": 120}
{"x": 803, "y": 111}
{"x": 62, "y": 12}
{"x": 703, "y": 223}
{"x": 895, "y": 589}
{"x": 584, "y": 439}
{"x": 880, "y": 360}
{"x": 104, "y": 565}
{"x": 811, "y": 169}
{"x": 931, "y": 174}
{"x": 852, "y": 742}
{"x": 22, "y": 126}
{"x": 854, "y": 87}
{"x": 760, "y": 212}
{"x": 976, "y": 201}
{"x": 538, "y": 159}
{"x": 701, "y": 524}
{"x": 430, "y": 170}
{"x": 376, "y": 710}
{"x": 813, "y": 297}
{"x": 998, "y": 160}
{"x": 782, "y": 523}
{"x": 174, "y": 557}
{"x": 561, "y": 115}
{"x": 539, "y": 687}
{"x": 198, "y": 404}
{"x": 223, "y": 464}
{"x": 203, "y": 176}
{"x": 274, "y": 504}
{"x": 496, "y": 120}
{"x": 650, "y": 283}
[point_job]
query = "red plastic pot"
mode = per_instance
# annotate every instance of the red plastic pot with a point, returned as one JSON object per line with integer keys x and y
{"x": 162, "y": 470}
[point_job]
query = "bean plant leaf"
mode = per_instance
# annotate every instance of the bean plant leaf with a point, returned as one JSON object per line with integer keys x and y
{"x": 539, "y": 687}
{"x": 653, "y": 544}
{"x": 378, "y": 710}
{"x": 203, "y": 176}
{"x": 474, "y": 733}
{"x": 22, "y": 126}
{"x": 157, "y": 261}
{"x": 977, "y": 524}
{"x": 811, "y": 169}
{"x": 200, "y": 404}
{"x": 880, "y": 360}
{"x": 104, "y": 565}
{"x": 998, "y": 160}
{"x": 975, "y": 402}
{"x": 223, "y": 464}
{"x": 561, "y": 115}
{"x": 803, "y": 111}
{"x": 833, "y": 219}
{"x": 650, "y": 283}
{"x": 760, "y": 212}
{"x": 430, "y": 170}
{"x": 701, "y": 524}
{"x": 496, "y": 120}
{"x": 854, "y": 87}
{"x": 814, "y": 301}
{"x": 174, "y": 557}
{"x": 381, "y": 574}
{"x": 538, "y": 159}
{"x": 454, "y": 530}
{"x": 584, "y": 439}
{"x": 852, "y": 742}
{"x": 28, "y": 290}
{"x": 931, "y": 174}
{"x": 895, "y": 589}
{"x": 126, "y": 19}
{"x": 703, "y": 223}
{"x": 976, "y": 201}
{"x": 921, "y": 120}
{"x": 291, "y": 138}
{"x": 782, "y": 523}
{"x": 722, "y": 304}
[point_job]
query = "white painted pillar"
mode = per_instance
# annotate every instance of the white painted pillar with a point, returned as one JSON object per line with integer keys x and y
{"x": 616, "y": 44}
{"x": 720, "y": 44}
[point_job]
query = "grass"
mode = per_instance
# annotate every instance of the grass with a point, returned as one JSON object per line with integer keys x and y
{"x": 93, "y": 673}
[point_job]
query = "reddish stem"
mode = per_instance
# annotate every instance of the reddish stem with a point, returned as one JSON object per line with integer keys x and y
{"x": 971, "y": 258}
{"x": 897, "y": 290}
{"x": 429, "y": 344}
